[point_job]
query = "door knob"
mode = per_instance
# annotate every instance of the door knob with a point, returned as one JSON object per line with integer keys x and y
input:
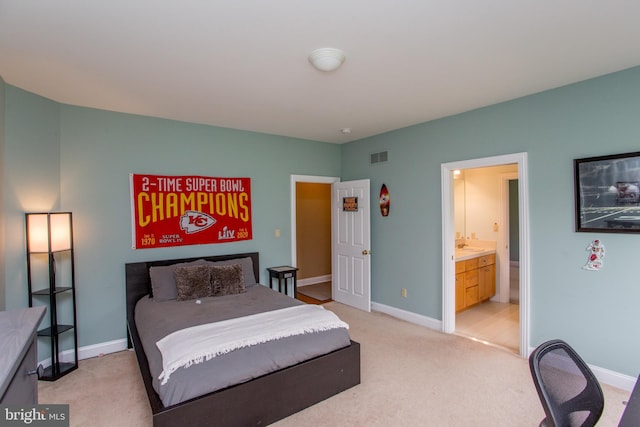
{"x": 366, "y": 252}
{"x": 38, "y": 371}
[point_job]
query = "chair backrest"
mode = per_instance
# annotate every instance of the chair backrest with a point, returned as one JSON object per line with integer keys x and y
{"x": 569, "y": 392}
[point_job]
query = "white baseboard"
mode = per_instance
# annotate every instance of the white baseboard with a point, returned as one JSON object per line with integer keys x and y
{"x": 614, "y": 379}
{"x": 313, "y": 280}
{"x": 90, "y": 351}
{"x": 101, "y": 349}
{"x": 408, "y": 316}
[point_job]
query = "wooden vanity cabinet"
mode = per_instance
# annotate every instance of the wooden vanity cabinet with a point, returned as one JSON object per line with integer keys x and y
{"x": 475, "y": 281}
{"x": 460, "y": 289}
{"x": 487, "y": 277}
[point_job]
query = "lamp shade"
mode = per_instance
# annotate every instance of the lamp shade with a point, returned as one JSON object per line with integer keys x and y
{"x": 49, "y": 232}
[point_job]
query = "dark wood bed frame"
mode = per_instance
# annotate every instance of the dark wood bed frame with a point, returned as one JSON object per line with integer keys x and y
{"x": 259, "y": 402}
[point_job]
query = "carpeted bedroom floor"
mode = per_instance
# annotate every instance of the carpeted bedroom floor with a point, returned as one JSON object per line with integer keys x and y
{"x": 411, "y": 376}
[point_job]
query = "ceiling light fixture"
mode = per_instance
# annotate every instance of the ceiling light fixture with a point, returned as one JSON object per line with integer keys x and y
{"x": 327, "y": 59}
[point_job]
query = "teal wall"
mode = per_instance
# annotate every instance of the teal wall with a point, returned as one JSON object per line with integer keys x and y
{"x": 95, "y": 151}
{"x": 79, "y": 159}
{"x": 31, "y": 180}
{"x": 595, "y": 311}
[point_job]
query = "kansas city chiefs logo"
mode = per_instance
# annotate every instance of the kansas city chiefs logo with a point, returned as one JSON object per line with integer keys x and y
{"x": 194, "y": 221}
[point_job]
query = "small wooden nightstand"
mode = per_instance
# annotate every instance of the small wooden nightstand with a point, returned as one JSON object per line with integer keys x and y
{"x": 283, "y": 274}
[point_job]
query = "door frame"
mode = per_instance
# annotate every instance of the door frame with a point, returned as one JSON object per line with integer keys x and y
{"x": 448, "y": 239}
{"x": 294, "y": 180}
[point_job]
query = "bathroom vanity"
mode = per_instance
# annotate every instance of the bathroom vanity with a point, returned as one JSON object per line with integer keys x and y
{"x": 475, "y": 276}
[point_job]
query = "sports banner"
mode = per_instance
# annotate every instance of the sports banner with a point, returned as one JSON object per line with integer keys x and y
{"x": 189, "y": 210}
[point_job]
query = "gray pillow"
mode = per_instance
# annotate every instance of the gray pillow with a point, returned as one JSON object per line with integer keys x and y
{"x": 227, "y": 280}
{"x": 193, "y": 282}
{"x": 163, "y": 282}
{"x": 247, "y": 268}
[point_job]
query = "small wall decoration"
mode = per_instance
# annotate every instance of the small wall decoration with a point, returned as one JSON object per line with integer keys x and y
{"x": 350, "y": 204}
{"x": 607, "y": 192}
{"x": 189, "y": 210}
{"x": 596, "y": 253}
{"x": 385, "y": 200}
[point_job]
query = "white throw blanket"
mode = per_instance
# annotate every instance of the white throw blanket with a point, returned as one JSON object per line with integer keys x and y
{"x": 196, "y": 344}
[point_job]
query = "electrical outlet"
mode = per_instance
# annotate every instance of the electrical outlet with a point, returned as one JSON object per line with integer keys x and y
{"x": 403, "y": 292}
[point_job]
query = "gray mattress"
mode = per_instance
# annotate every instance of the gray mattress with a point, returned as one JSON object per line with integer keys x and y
{"x": 155, "y": 320}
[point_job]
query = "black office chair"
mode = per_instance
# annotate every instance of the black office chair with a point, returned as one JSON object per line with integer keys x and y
{"x": 569, "y": 392}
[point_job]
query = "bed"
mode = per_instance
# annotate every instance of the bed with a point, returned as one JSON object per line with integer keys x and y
{"x": 259, "y": 401}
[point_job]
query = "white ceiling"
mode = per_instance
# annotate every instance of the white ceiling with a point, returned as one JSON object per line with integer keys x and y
{"x": 243, "y": 63}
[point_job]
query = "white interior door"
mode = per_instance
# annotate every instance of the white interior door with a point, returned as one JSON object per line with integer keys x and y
{"x": 351, "y": 262}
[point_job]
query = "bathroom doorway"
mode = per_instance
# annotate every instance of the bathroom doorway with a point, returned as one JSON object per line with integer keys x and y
{"x": 487, "y": 227}
{"x": 485, "y": 220}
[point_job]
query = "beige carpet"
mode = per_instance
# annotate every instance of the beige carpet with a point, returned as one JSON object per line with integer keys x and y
{"x": 103, "y": 392}
{"x": 411, "y": 376}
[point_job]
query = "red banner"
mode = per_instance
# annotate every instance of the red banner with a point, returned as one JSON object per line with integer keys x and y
{"x": 189, "y": 210}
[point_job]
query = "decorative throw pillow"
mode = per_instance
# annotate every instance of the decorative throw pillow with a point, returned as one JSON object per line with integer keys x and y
{"x": 193, "y": 282}
{"x": 247, "y": 268}
{"x": 227, "y": 279}
{"x": 163, "y": 282}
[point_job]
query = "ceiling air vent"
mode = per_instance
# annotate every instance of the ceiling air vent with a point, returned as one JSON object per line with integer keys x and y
{"x": 381, "y": 157}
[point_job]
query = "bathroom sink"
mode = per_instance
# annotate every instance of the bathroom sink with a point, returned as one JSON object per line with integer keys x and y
{"x": 471, "y": 249}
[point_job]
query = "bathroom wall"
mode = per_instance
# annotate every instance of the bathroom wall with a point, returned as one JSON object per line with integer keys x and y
{"x": 514, "y": 222}
{"x": 459, "y": 205}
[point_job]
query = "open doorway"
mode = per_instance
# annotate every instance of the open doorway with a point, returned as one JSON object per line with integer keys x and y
{"x": 485, "y": 275}
{"x": 311, "y": 236}
{"x": 449, "y": 240}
